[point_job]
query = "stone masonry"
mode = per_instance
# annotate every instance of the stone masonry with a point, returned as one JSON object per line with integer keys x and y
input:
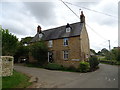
{"x": 6, "y": 63}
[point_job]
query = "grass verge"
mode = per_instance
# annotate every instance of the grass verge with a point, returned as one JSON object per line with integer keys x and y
{"x": 17, "y": 80}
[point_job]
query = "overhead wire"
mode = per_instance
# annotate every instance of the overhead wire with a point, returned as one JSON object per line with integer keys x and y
{"x": 69, "y": 8}
{"x": 91, "y": 10}
{"x": 85, "y": 23}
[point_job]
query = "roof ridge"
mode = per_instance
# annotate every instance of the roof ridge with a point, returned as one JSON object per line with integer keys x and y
{"x": 59, "y": 27}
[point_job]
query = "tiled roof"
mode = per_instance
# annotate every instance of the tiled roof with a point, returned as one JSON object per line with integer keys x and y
{"x": 60, "y": 32}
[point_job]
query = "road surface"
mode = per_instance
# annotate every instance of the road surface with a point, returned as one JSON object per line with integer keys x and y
{"x": 105, "y": 77}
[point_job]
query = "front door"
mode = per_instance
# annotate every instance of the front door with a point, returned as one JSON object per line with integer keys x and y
{"x": 50, "y": 56}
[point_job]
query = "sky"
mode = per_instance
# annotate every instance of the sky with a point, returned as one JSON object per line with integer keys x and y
{"x": 22, "y": 17}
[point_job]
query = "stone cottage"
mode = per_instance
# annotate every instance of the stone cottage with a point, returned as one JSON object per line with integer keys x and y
{"x": 68, "y": 44}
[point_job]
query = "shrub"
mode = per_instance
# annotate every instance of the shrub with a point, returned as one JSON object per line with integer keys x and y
{"x": 39, "y": 51}
{"x": 84, "y": 67}
{"x": 21, "y": 51}
{"x": 71, "y": 68}
{"x": 53, "y": 66}
{"x": 93, "y": 60}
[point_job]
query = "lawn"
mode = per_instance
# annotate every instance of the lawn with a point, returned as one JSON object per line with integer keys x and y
{"x": 17, "y": 80}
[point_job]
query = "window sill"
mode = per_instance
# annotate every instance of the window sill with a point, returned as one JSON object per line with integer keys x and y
{"x": 65, "y": 59}
{"x": 65, "y": 45}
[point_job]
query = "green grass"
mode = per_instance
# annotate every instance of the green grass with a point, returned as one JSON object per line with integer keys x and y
{"x": 111, "y": 62}
{"x": 17, "y": 80}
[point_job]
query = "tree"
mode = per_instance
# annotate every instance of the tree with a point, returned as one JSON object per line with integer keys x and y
{"x": 9, "y": 42}
{"x": 93, "y": 51}
{"x": 22, "y": 51}
{"x": 116, "y": 53}
{"x": 39, "y": 51}
{"x": 104, "y": 51}
{"x": 26, "y": 40}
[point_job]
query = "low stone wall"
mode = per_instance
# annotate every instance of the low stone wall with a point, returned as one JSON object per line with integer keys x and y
{"x": 6, "y": 62}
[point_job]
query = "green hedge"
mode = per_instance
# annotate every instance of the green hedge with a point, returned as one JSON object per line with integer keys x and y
{"x": 84, "y": 67}
{"x": 53, "y": 66}
{"x": 111, "y": 62}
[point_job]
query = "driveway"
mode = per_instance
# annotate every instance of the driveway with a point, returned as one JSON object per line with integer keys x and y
{"x": 105, "y": 77}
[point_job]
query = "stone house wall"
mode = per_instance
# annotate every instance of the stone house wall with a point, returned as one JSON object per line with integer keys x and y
{"x": 85, "y": 47}
{"x": 73, "y": 49}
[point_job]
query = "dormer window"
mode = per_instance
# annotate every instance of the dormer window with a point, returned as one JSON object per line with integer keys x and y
{"x": 68, "y": 28}
{"x": 40, "y": 35}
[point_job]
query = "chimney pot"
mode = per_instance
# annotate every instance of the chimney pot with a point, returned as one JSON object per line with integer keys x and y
{"x": 82, "y": 17}
{"x": 39, "y": 29}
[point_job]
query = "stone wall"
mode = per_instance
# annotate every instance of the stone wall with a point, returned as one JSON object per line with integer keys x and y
{"x": 7, "y": 65}
{"x": 73, "y": 48}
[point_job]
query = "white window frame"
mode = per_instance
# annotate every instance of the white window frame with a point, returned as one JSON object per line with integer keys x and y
{"x": 65, "y": 55}
{"x": 40, "y": 35}
{"x": 65, "y": 41}
{"x": 50, "y": 43}
{"x": 48, "y": 56}
{"x": 68, "y": 29}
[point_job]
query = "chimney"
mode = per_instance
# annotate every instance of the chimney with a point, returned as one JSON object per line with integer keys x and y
{"x": 39, "y": 29}
{"x": 82, "y": 17}
{"x": 68, "y": 25}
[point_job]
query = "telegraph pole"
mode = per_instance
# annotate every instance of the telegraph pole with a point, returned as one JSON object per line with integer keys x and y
{"x": 109, "y": 44}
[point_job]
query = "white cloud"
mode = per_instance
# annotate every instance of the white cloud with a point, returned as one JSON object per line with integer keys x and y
{"x": 22, "y": 18}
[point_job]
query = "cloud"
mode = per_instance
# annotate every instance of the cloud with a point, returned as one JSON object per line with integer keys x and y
{"x": 22, "y": 18}
{"x": 17, "y": 19}
{"x": 106, "y": 7}
{"x": 43, "y": 12}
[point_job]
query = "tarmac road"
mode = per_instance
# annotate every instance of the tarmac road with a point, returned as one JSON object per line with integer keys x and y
{"x": 105, "y": 77}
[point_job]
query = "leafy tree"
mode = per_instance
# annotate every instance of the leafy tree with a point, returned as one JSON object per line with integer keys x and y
{"x": 9, "y": 42}
{"x": 104, "y": 51}
{"x": 93, "y": 51}
{"x": 99, "y": 53}
{"x": 21, "y": 51}
{"x": 116, "y": 53}
{"x": 39, "y": 51}
{"x": 0, "y": 40}
{"x": 25, "y": 40}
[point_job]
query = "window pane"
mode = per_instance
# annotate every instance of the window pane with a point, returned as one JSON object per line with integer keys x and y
{"x": 50, "y": 43}
{"x": 65, "y": 41}
{"x": 65, "y": 54}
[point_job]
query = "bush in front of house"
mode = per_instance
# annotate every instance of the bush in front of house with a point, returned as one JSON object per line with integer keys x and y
{"x": 94, "y": 62}
{"x": 71, "y": 68}
{"x": 39, "y": 51}
{"x": 84, "y": 67}
{"x": 53, "y": 66}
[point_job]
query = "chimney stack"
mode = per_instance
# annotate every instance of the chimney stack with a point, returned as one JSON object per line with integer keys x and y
{"x": 39, "y": 29}
{"x": 82, "y": 17}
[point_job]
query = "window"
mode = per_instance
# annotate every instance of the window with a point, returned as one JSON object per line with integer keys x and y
{"x": 65, "y": 55}
{"x": 40, "y": 36}
{"x": 65, "y": 41}
{"x": 68, "y": 29}
{"x": 50, "y": 43}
